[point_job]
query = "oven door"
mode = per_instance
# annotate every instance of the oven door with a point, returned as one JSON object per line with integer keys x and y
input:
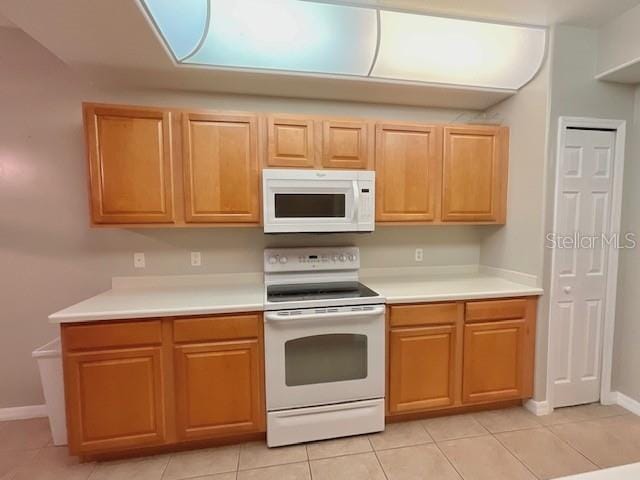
{"x": 324, "y": 356}
{"x": 310, "y": 201}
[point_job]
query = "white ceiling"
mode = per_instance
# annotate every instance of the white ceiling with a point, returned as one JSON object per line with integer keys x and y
{"x": 587, "y": 13}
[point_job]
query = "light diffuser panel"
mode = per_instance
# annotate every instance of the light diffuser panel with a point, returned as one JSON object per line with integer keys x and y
{"x": 460, "y": 52}
{"x": 289, "y": 35}
{"x": 338, "y": 39}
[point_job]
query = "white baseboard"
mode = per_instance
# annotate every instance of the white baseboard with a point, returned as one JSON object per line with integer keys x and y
{"x": 627, "y": 402}
{"x": 538, "y": 408}
{"x": 22, "y": 413}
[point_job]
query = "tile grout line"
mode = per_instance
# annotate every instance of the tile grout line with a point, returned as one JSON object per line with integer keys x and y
{"x": 515, "y": 457}
{"x": 575, "y": 449}
{"x": 375, "y": 453}
{"x": 446, "y": 457}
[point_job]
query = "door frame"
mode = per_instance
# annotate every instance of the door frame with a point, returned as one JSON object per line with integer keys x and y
{"x": 606, "y": 395}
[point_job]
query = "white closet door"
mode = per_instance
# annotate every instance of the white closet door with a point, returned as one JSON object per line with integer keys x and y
{"x": 583, "y": 211}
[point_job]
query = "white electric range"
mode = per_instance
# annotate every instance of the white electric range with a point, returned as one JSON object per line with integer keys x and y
{"x": 324, "y": 346}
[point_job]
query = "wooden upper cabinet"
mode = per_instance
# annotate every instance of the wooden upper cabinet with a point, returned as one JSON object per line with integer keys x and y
{"x": 474, "y": 179}
{"x": 290, "y": 142}
{"x": 408, "y": 161}
{"x": 346, "y": 145}
{"x": 130, "y": 165}
{"x": 221, "y": 168}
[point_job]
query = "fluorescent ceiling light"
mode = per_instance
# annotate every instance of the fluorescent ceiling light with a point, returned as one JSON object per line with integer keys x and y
{"x": 446, "y": 50}
{"x": 330, "y": 38}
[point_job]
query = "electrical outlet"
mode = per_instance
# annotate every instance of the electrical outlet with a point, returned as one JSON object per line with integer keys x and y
{"x": 196, "y": 259}
{"x": 419, "y": 255}
{"x": 139, "y": 260}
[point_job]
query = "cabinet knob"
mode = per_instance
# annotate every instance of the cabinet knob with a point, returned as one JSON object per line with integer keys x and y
{"x": 567, "y": 289}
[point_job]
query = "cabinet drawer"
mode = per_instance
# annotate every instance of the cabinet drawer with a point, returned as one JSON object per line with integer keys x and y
{"x": 496, "y": 310}
{"x": 112, "y": 334}
{"x": 224, "y": 327}
{"x": 423, "y": 314}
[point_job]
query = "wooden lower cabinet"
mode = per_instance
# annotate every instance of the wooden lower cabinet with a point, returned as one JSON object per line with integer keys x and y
{"x": 493, "y": 361}
{"x": 138, "y": 384}
{"x": 115, "y": 399}
{"x": 218, "y": 389}
{"x": 450, "y": 355}
{"x": 424, "y": 361}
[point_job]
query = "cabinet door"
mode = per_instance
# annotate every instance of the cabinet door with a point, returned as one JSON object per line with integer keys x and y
{"x": 115, "y": 399}
{"x": 218, "y": 389}
{"x": 495, "y": 360}
{"x": 221, "y": 168}
{"x": 422, "y": 365}
{"x": 345, "y": 145}
{"x": 130, "y": 165}
{"x": 290, "y": 142}
{"x": 407, "y": 172}
{"x": 475, "y": 174}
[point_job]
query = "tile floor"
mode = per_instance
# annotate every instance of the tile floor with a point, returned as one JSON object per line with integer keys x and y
{"x": 509, "y": 444}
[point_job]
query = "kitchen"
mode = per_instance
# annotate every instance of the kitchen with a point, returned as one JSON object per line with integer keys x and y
{"x": 441, "y": 305}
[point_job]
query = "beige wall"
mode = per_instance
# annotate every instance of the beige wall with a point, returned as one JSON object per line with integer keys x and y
{"x": 574, "y": 92}
{"x": 619, "y": 41}
{"x": 626, "y": 349}
{"x": 49, "y": 258}
{"x": 517, "y": 246}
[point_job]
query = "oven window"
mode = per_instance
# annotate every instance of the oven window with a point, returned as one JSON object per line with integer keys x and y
{"x": 325, "y": 358}
{"x": 310, "y": 205}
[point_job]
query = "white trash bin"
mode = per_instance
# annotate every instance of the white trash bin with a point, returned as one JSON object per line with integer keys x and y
{"x": 49, "y": 359}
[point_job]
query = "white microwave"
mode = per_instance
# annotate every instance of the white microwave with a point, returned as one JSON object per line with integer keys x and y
{"x": 296, "y": 201}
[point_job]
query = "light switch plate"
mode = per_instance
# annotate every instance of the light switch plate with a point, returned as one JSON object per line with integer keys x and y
{"x": 139, "y": 260}
{"x": 419, "y": 255}
{"x": 196, "y": 259}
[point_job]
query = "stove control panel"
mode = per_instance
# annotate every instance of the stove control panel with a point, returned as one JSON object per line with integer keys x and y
{"x": 306, "y": 259}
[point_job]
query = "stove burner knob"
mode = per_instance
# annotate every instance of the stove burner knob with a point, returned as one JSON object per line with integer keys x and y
{"x": 272, "y": 260}
{"x": 335, "y": 258}
{"x": 343, "y": 258}
{"x": 283, "y": 260}
{"x": 352, "y": 258}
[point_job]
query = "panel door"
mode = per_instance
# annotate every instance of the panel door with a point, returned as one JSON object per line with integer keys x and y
{"x": 579, "y": 272}
{"x": 130, "y": 165}
{"x": 218, "y": 389}
{"x": 408, "y": 160}
{"x": 495, "y": 359}
{"x": 115, "y": 399}
{"x": 221, "y": 168}
{"x": 345, "y": 145}
{"x": 474, "y": 174}
{"x": 291, "y": 142}
{"x": 422, "y": 365}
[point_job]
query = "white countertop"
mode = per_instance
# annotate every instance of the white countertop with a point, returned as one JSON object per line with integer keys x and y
{"x": 169, "y": 296}
{"x": 147, "y": 297}
{"x": 406, "y": 286}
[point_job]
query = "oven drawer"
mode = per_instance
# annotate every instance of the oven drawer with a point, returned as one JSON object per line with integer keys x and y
{"x": 327, "y": 421}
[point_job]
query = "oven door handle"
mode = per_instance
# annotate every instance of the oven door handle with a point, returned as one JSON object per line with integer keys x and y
{"x": 275, "y": 317}
{"x": 356, "y": 200}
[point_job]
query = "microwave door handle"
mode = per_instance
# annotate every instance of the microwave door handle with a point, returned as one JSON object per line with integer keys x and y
{"x": 356, "y": 200}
